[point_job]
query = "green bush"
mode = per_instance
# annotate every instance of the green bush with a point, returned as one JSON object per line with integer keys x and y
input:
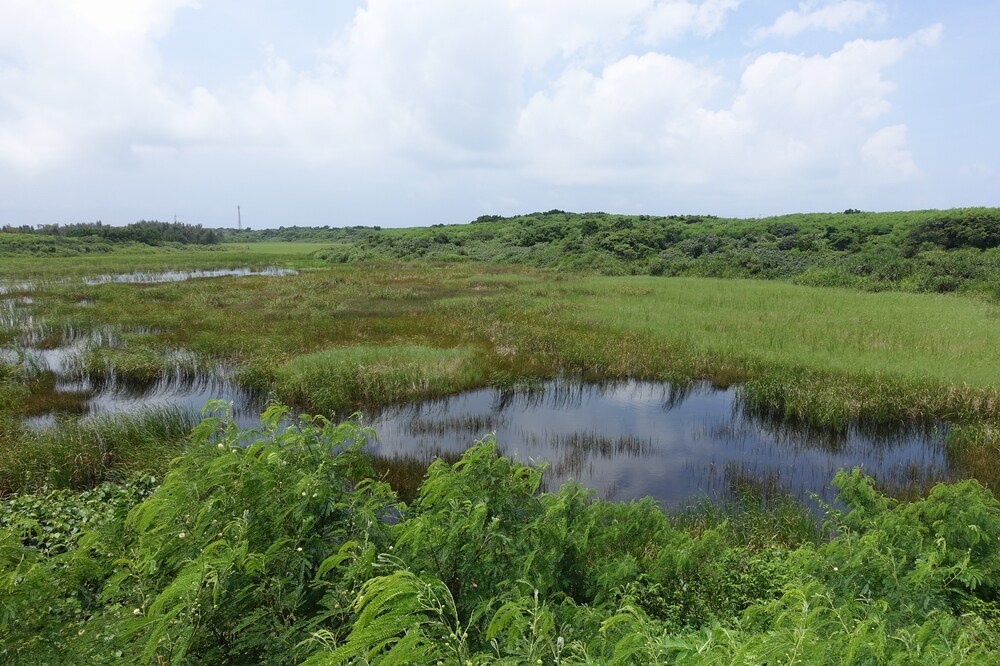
{"x": 277, "y": 546}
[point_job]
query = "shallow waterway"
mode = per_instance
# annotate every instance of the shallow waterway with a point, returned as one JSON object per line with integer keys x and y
{"x": 141, "y": 277}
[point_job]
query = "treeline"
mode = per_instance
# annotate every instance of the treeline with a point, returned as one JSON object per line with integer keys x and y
{"x": 94, "y": 236}
{"x": 934, "y": 251}
{"x": 296, "y": 233}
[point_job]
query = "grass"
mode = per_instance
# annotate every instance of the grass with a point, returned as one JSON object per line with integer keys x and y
{"x": 835, "y": 330}
{"x": 338, "y": 380}
{"x": 330, "y": 339}
{"x": 825, "y": 356}
{"x": 83, "y": 453}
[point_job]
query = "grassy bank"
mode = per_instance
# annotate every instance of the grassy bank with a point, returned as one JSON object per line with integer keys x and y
{"x": 84, "y": 453}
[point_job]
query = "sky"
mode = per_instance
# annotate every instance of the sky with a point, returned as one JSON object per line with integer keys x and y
{"x": 406, "y": 113}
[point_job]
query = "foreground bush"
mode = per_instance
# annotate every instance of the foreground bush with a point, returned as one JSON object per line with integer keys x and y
{"x": 277, "y": 546}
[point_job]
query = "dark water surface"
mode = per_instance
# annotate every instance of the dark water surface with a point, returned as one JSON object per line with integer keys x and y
{"x": 633, "y": 439}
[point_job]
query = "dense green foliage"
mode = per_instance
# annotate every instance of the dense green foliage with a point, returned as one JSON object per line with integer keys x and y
{"x": 76, "y": 239}
{"x": 278, "y": 546}
{"x": 934, "y": 251}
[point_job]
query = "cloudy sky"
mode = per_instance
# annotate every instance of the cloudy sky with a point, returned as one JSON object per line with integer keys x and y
{"x": 413, "y": 112}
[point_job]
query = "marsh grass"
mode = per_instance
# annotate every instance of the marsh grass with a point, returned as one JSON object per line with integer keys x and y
{"x": 828, "y": 358}
{"x": 823, "y": 356}
{"x": 340, "y": 379}
{"x": 755, "y": 515}
{"x": 82, "y": 453}
{"x": 139, "y": 367}
{"x": 405, "y": 472}
{"x": 975, "y": 450}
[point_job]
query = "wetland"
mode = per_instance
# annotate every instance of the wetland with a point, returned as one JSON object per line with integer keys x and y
{"x": 435, "y": 358}
{"x": 556, "y": 438}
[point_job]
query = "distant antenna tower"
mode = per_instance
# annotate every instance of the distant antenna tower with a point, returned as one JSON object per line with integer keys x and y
{"x": 239, "y": 220}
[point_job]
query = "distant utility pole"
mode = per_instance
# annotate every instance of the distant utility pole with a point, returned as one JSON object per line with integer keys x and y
{"x": 239, "y": 220}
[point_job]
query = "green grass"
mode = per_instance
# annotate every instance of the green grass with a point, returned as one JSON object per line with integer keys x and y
{"x": 935, "y": 337}
{"x": 82, "y": 453}
{"x": 818, "y": 354}
{"x": 333, "y": 338}
{"x": 337, "y": 380}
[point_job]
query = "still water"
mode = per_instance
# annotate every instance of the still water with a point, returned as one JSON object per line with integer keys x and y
{"x": 633, "y": 439}
{"x": 141, "y": 277}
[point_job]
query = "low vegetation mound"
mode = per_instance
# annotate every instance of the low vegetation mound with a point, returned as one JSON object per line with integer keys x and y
{"x": 341, "y": 379}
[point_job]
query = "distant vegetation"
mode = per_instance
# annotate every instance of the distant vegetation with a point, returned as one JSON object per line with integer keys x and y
{"x": 76, "y": 239}
{"x": 922, "y": 251}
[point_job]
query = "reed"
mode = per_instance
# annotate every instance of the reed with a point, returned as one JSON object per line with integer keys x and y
{"x": 341, "y": 379}
{"x": 82, "y": 453}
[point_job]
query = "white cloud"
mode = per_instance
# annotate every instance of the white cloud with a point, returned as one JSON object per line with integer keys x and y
{"x": 671, "y": 19}
{"x": 128, "y": 17}
{"x": 635, "y": 115}
{"x": 664, "y": 119}
{"x": 558, "y": 93}
{"x": 835, "y": 17}
{"x": 887, "y": 157}
{"x": 81, "y": 78}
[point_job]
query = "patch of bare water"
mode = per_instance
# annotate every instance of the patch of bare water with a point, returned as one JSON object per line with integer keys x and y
{"x": 635, "y": 439}
{"x": 139, "y": 277}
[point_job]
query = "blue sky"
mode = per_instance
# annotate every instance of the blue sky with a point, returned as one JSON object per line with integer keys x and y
{"x": 400, "y": 113}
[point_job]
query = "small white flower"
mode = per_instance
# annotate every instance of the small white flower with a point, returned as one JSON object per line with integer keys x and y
{"x": 299, "y": 549}
{"x": 182, "y": 535}
{"x": 137, "y": 611}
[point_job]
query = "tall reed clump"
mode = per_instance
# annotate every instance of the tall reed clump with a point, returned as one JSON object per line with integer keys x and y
{"x": 975, "y": 449}
{"x": 13, "y": 393}
{"x": 340, "y": 379}
{"x": 82, "y": 453}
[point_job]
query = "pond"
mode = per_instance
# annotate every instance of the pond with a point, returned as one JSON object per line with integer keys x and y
{"x": 634, "y": 439}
